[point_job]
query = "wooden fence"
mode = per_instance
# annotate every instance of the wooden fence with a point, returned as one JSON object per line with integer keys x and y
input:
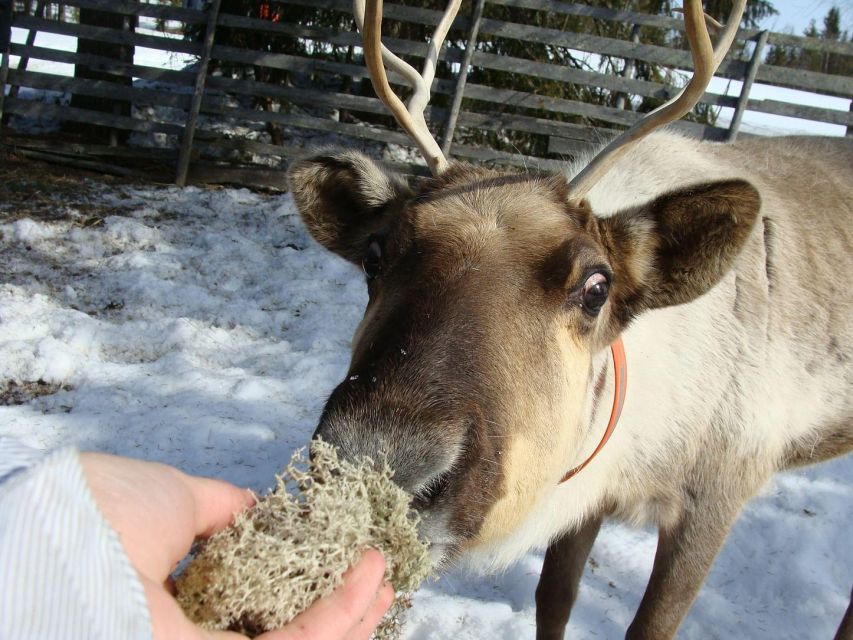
{"x": 192, "y": 115}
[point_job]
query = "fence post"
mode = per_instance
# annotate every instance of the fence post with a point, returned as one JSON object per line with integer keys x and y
{"x": 748, "y": 79}
{"x": 628, "y": 72}
{"x": 462, "y": 78}
{"x": 198, "y": 93}
{"x": 31, "y": 40}
{"x": 5, "y": 49}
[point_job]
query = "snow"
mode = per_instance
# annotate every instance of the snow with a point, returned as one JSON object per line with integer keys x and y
{"x": 204, "y": 329}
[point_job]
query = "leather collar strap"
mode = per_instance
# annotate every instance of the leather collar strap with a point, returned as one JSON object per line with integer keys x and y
{"x": 620, "y": 367}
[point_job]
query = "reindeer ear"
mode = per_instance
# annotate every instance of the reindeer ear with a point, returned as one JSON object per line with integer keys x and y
{"x": 677, "y": 247}
{"x": 344, "y": 197}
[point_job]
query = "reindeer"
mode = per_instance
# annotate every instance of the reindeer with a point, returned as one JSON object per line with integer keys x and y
{"x": 506, "y": 309}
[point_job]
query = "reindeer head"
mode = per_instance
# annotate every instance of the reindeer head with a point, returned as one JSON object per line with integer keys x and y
{"x": 490, "y": 294}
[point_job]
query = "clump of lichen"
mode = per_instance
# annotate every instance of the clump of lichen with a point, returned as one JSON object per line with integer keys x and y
{"x": 295, "y": 544}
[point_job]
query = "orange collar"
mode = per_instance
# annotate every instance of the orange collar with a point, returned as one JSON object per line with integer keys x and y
{"x": 620, "y": 367}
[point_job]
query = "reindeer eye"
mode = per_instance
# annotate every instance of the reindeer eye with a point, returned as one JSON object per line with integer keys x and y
{"x": 594, "y": 292}
{"x": 372, "y": 261}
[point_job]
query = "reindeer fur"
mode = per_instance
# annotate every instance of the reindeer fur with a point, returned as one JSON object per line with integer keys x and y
{"x": 730, "y": 268}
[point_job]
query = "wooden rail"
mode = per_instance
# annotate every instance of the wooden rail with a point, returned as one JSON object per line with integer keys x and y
{"x": 188, "y": 107}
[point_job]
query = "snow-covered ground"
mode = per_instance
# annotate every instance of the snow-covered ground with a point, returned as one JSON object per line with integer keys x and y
{"x": 204, "y": 328}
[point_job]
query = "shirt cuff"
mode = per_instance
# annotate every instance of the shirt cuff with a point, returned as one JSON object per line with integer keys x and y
{"x": 63, "y": 570}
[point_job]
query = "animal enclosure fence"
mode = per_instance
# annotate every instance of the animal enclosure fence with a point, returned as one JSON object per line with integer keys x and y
{"x": 238, "y": 111}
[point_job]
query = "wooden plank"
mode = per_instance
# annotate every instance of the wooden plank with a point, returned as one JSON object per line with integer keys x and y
{"x": 107, "y": 35}
{"x": 257, "y": 177}
{"x": 143, "y": 9}
{"x": 378, "y": 134}
{"x": 562, "y": 146}
{"x": 30, "y": 108}
{"x": 818, "y": 114}
{"x": 99, "y": 88}
{"x": 491, "y": 156}
{"x": 103, "y": 63}
{"x": 217, "y": 140}
{"x": 757, "y": 57}
{"x": 52, "y": 145}
{"x": 512, "y": 98}
{"x": 809, "y": 80}
{"x": 573, "y": 148}
{"x": 515, "y": 122}
{"x": 813, "y": 44}
{"x": 666, "y": 22}
{"x": 601, "y": 45}
{"x": 414, "y": 14}
{"x": 590, "y": 11}
{"x": 185, "y": 151}
{"x": 214, "y": 140}
{"x": 76, "y": 162}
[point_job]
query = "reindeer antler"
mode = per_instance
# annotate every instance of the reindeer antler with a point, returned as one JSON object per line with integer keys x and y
{"x": 376, "y": 56}
{"x": 706, "y": 59}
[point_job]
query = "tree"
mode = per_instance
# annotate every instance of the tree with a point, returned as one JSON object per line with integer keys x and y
{"x": 755, "y": 12}
{"x": 814, "y": 59}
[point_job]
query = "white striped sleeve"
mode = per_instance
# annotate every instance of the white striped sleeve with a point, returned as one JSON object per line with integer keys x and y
{"x": 64, "y": 574}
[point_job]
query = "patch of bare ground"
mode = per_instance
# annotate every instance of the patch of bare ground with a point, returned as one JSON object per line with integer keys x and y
{"x": 48, "y": 192}
{"x": 14, "y": 393}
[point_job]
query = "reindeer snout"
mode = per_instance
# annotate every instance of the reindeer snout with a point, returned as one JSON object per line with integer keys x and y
{"x": 414, "y": 459}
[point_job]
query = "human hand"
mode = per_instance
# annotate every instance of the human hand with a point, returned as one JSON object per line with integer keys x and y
{"x": 159, "y": 511}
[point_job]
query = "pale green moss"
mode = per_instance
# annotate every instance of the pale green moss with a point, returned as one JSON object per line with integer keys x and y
{"x": 296, "y": 543}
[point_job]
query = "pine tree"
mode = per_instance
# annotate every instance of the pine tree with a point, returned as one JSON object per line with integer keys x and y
{"x": 813, "y": 59}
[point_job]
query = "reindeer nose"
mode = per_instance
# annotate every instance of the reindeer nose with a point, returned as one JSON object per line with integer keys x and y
{"x": 354, "y": 440}
{"x": 326, "y": 433}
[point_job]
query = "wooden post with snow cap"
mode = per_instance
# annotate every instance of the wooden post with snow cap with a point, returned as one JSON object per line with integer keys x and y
{"x": 198, "y": 93}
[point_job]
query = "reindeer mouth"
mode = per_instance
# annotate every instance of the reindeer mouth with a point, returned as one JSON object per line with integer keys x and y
{"x": 427, "y": 501}
{"x": 427, "y": 495}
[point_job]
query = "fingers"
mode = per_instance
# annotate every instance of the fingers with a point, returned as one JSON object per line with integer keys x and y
{"x": 381, "y": 603}
{"x": 355, "y": 607}
{"x": 216, "y": 502}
